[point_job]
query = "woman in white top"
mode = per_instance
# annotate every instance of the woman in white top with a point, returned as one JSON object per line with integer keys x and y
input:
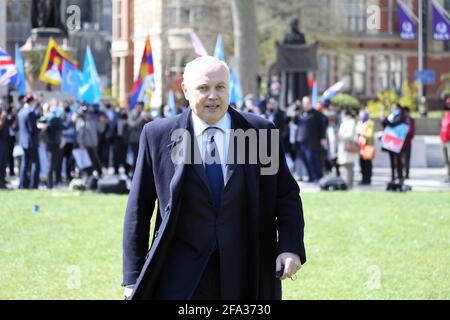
{"x": 347, "y": 147}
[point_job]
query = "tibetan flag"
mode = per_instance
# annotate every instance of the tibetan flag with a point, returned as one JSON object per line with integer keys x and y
{"x": 51, "y": 70}
{"x": 407, "y": 21}
{"x": 441, "y": 23}
{"x": 219, "y": 52}
{"x": 7, "y": 68}
{"x": 199, "y": 49}
{"x": 144, "y": 83}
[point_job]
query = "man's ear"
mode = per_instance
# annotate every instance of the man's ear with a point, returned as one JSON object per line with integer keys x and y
{"x": 185, "y": 90}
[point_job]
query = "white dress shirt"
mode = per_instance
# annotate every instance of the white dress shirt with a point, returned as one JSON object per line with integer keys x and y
{"x": 221, "y": 137}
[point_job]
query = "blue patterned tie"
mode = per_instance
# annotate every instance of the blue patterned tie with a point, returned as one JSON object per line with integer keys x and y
{"x": 213, "y": 168}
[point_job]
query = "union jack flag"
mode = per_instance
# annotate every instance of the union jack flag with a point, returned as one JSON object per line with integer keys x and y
{"x": 7, "y": 68}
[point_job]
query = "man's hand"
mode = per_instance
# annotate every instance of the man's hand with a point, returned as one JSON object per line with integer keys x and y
{"x": 291, "y": 263}
{"x": 128, "y": 292}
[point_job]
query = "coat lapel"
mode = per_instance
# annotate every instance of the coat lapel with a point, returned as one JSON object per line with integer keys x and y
{"x": 180, "y": 146}
{"x": 231, "y": 163}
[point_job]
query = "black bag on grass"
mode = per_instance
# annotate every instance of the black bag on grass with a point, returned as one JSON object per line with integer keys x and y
{"x": 332, "y": 183}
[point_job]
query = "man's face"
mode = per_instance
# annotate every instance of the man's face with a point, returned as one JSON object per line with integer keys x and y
{"x": 306, "y": 103}
{"x": 207, "y": 91}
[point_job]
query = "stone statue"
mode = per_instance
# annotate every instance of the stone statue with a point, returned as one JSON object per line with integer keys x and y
{"x": 294, "y": 36}
{"x": 296, "y": 83}
{"x": 46, "y": 14}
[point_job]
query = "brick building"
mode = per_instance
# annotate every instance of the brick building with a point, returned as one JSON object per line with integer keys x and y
{"x": 372, "y": 59}
{"x": 169, "y": 24}
{"x": 377, "y": 59}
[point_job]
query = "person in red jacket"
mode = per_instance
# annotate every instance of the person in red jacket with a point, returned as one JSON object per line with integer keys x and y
{"x": 445, "y": 137}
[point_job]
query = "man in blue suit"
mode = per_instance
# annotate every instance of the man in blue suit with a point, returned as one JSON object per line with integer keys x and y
{"x": 29, "y": 141}
{"x": 223, "y": 227}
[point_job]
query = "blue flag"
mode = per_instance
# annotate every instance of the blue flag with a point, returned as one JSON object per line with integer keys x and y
{"x": 235, "y": 88}
{"x": 71, "y": 78}
{"x": 20, "y": 76}
{"x": 219, "y": 52}
{"x": 314, "y": 95}
{"x": 171, "y": 103}
{"x": 90, "y": 90}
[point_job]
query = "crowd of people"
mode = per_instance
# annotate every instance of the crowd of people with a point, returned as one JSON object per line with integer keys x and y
{"x": 42, "y": 135}
{"x": 318, "y": 140}
{"x": 322, "y": 141}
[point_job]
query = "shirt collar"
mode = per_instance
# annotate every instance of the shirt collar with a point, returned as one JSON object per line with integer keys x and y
{"x": 199, "y": 125}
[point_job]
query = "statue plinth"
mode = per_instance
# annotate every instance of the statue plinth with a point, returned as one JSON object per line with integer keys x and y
{"x": 38, "y": 39}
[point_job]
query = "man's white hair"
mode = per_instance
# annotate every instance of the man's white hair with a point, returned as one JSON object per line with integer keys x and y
{"x": 192, "y": 66}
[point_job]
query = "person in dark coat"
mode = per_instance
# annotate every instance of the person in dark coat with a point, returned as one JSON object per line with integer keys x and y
{"x": 278, "y": 117}
{"x": 54, "y": 131}
{"x": 12, "y": 129}
{"x": 311, "y": 135}
{"x": 137, "y": 118}
{"x": 3, "y": 146}
{"x": 396, "y": 118}
{"x": 223, "y": 228}
{"x": 121, "y": 142}
{"x": 29, "y": 141}
{"x": 407, "y": 145}
{"x": 69, "y": 139}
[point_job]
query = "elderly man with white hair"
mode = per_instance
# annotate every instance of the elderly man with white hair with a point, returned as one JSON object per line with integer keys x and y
{"x": 223, "y": 227}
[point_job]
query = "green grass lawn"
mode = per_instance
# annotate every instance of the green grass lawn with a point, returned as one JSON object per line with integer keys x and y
{"x": 360, "y": 245}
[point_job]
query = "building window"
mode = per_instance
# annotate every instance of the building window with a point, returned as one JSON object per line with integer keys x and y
{"x": 18, "y": 11}
{"x": 390, "y": 73}
{"x": 355, "y": 11}
{"x": 201, "y": 13}
{"x": 382, "y": 72}
{"x": 359, "y": 74}
{"x": 117, "y": 19}
{"x": 173, "y": 16}
{"x": 396, "y": 73}
{"x": 185, "y": 16}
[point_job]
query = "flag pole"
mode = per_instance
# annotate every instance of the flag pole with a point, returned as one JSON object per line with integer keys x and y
{"x": 420, "y": 59}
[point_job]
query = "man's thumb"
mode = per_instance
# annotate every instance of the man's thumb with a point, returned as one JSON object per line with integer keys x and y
{"x": 278, "y": 264}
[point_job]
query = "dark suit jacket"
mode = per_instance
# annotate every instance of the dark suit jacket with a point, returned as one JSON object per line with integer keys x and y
{"x": 275, "y": 219}
{"x": 28, "y": 131}
{"x": 311, "y": 129}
